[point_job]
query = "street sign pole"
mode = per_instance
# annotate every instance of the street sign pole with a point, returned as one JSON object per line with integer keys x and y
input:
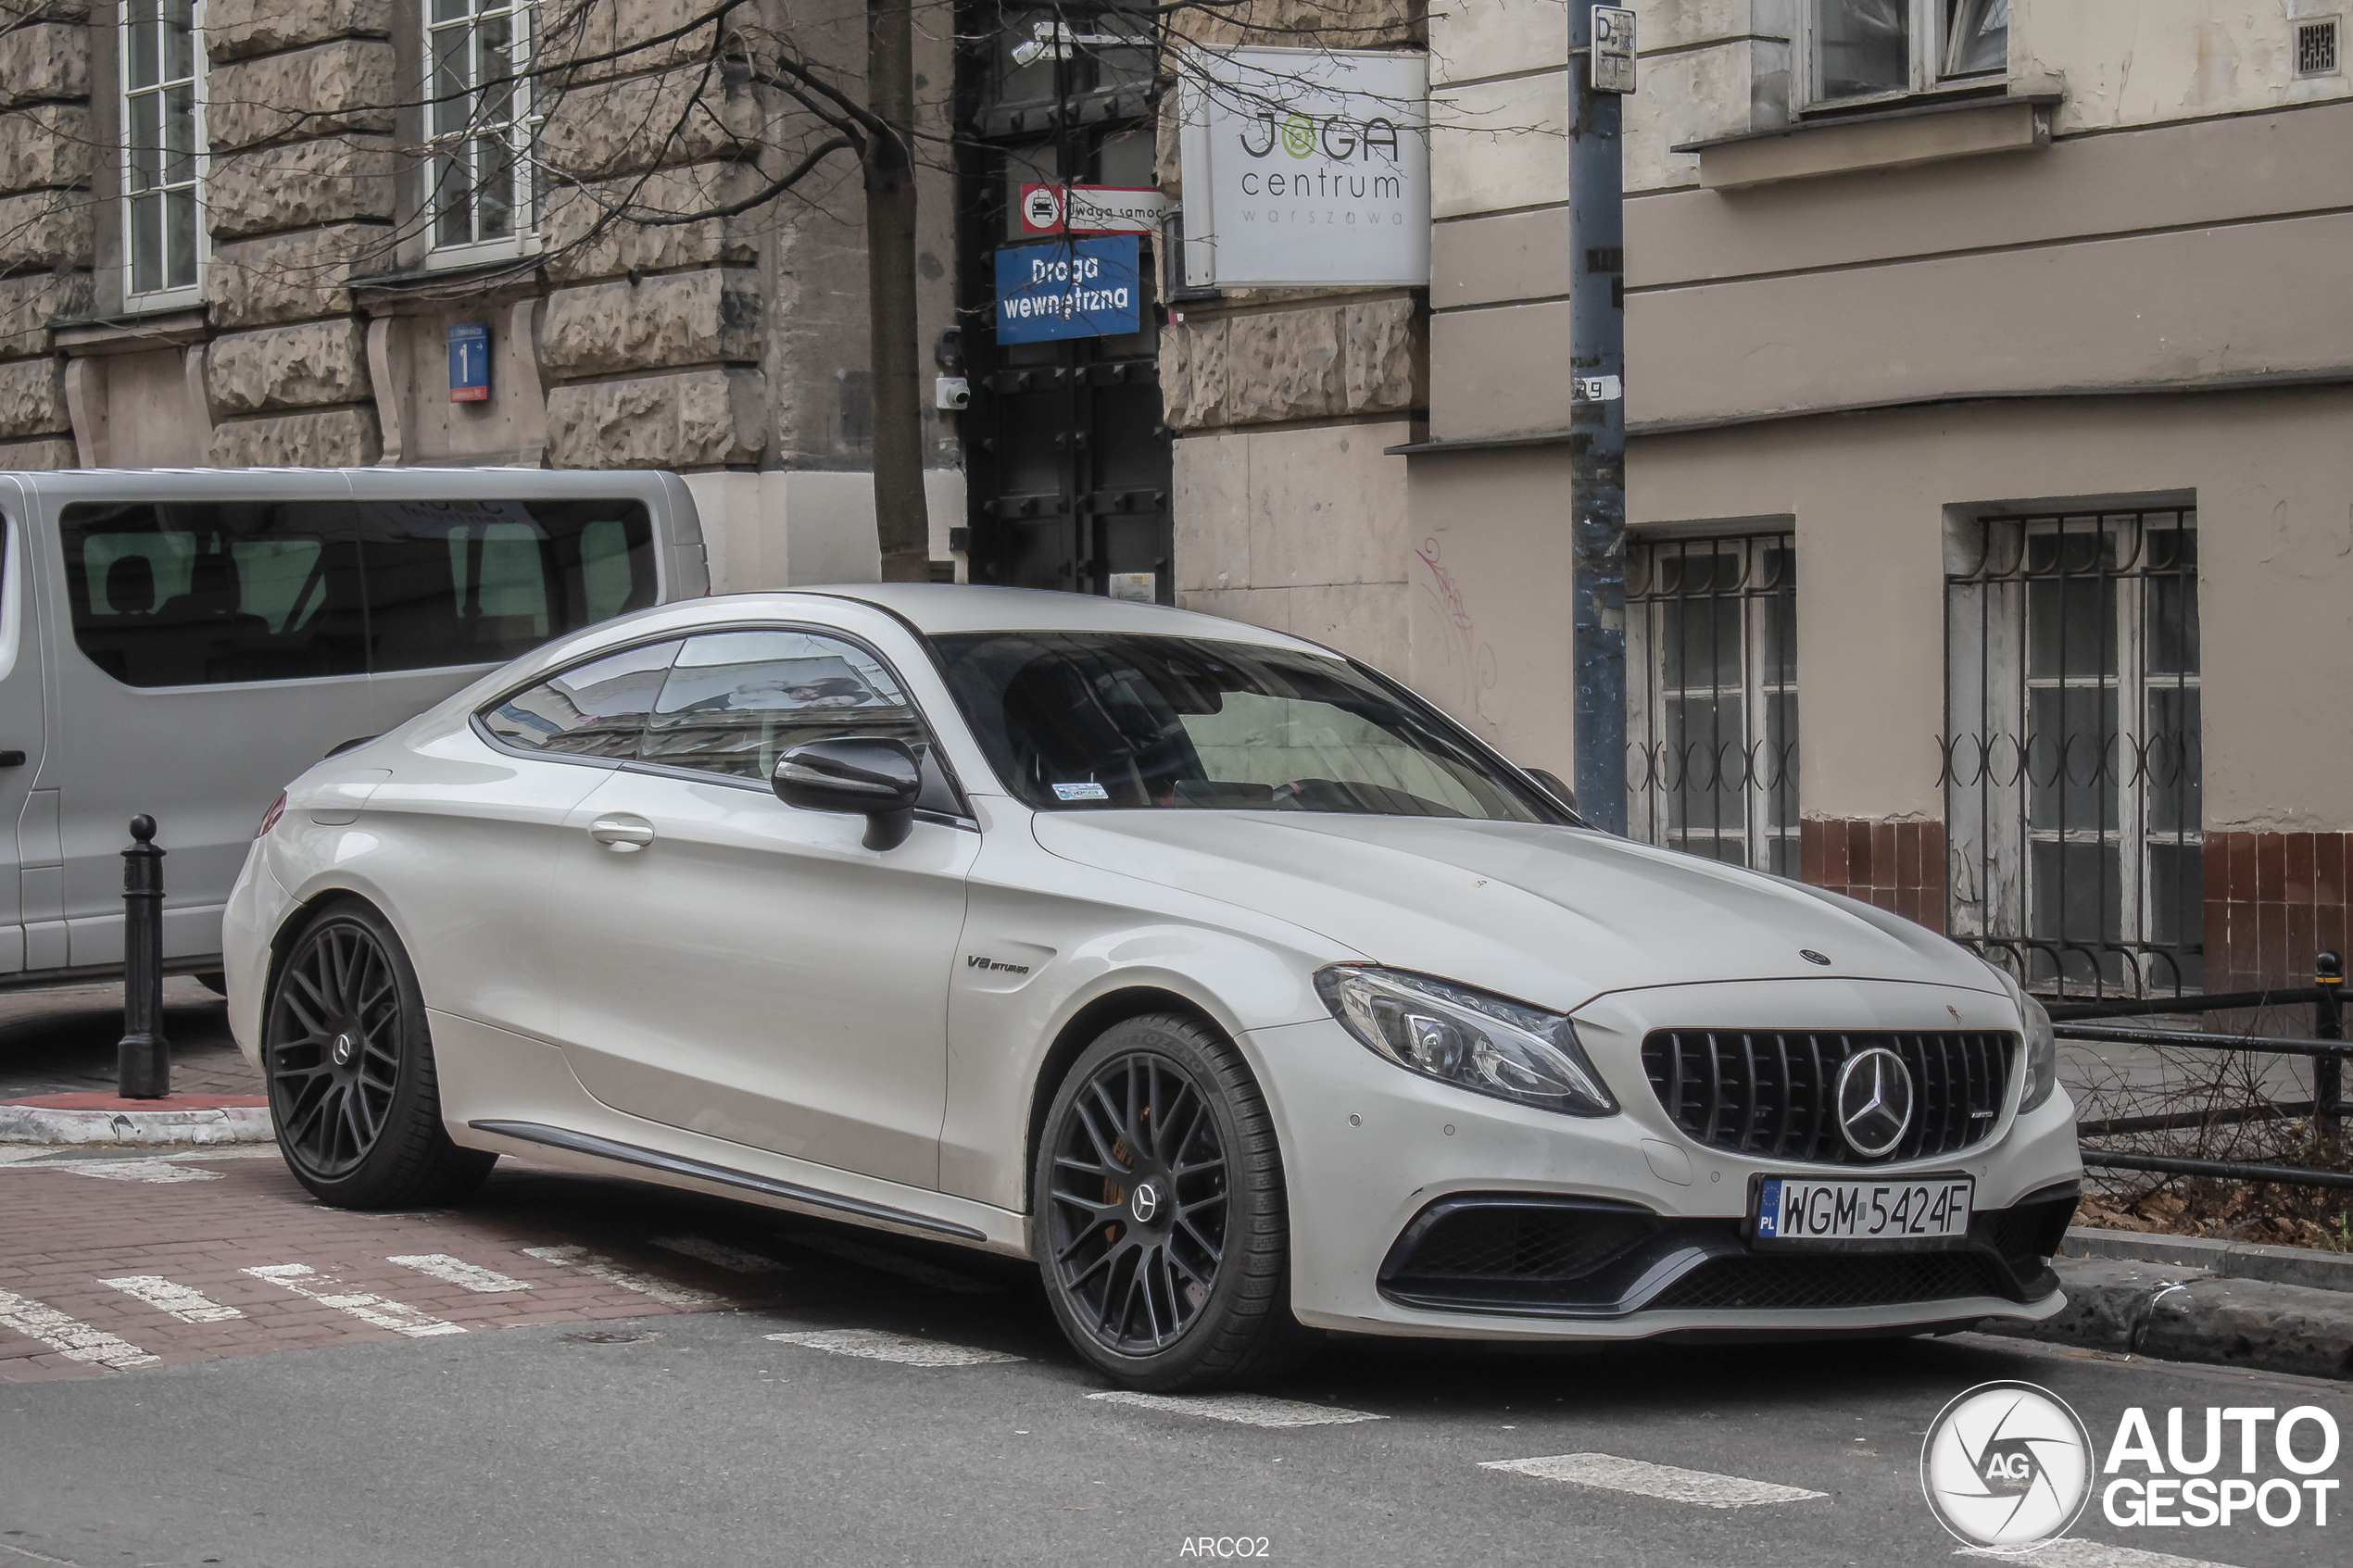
{"x": 1601, "y": 52}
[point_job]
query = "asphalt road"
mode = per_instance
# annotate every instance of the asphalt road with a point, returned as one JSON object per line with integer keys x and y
{"x": 692, "y": 1437}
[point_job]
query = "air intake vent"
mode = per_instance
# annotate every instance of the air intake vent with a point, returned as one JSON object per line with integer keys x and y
{"x": 2316, "y": 48}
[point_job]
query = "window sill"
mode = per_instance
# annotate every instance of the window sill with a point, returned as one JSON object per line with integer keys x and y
{"x": 1898, "y": 138}
{"x": 133, "y": 331}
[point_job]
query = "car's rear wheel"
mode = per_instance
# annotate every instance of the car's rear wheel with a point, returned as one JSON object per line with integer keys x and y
{"x": 350, "y": 1068}
{"x": 1164, "y": 1235}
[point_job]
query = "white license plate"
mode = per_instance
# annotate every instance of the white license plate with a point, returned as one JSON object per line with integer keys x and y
{"x": 1794, "y": 1211}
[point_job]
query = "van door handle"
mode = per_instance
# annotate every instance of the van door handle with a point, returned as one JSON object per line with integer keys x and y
{"x": 623, "y": 836}
{"x": 11, "y": 759}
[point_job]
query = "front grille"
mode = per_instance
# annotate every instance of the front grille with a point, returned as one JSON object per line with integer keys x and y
{"x": 1769, "y": 1092}
{"x": 1517, "y": 1241}
{"x": 1830, "y": 1281}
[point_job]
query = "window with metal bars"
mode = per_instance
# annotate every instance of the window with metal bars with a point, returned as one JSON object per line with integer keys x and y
{"x": 1711, "y": 694}
{"x": 2070, "y": 754}
{"x": 480, "y": 120}
{"x": 160, "y": 152}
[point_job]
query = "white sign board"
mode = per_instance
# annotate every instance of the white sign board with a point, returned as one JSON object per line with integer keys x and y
{"x": 1613, "y": 49}
{"x": 1305, "y": 167}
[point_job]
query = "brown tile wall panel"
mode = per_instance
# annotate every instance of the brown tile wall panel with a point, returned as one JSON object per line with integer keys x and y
{"x": 1894, "y": 866}
{"x": 2273, "y": 902}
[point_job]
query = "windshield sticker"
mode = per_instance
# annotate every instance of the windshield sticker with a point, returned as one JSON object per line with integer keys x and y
{"x": 1081, "y": 792}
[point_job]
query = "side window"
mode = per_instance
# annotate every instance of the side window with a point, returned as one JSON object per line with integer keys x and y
{"x": 182, "y": 594}
{"x": 733, "y": 702}
{"x": 481, "y": 581}
{"x": 594, "y": 710}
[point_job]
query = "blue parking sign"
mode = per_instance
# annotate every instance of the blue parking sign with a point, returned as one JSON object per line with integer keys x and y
{"x": 1070, "y": 288}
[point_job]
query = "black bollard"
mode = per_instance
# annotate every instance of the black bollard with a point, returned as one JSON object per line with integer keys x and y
{"x": 143, "y": 1062}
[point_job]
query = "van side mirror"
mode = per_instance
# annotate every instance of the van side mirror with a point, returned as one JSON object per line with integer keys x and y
{"x": 879, "y": 779}
{"x": 1553, "y": 787}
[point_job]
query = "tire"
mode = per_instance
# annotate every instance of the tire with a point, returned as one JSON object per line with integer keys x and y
{"x": 1167, "y": 1267}
{"x": 350, "y": 1070}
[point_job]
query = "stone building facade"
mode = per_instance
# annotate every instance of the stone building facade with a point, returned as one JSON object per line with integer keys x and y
{"x": 310, "y": 324}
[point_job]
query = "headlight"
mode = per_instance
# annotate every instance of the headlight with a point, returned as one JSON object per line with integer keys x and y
{"x": 1486, "y": 1044}
{"x": 2042, "y": 1045}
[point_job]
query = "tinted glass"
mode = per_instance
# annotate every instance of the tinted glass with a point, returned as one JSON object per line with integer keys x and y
{"x": 481, "y": 581}
{"x": 1074, "y": 720}
{"x": 177, "y": 594}
{"x": 594, "y": 710}
{"x": 733, "y": 702}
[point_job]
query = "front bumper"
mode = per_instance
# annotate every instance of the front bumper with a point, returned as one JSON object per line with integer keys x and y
{"x": 1370, "y": 1148}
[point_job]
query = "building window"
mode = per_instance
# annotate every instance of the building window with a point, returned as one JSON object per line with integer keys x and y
{"x": 1856, "y": 51}
{"x": 1711, "y": 689}
{"x": 2071, "y": 758}
{"x": 160, "y": 144}
{"x": 479, "y": 118}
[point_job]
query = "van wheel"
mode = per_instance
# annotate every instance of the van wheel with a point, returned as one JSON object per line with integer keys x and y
{"x": 350, "y": 1068}
{"x": 1164, "y": 1239}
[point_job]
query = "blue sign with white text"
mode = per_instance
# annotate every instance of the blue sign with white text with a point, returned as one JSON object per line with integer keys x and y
{"x": 1072, "y": 288}
{"x": 468, "y": 363}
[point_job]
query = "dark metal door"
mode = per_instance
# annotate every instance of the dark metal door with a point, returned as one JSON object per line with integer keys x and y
{"x": 1066, "y": 457}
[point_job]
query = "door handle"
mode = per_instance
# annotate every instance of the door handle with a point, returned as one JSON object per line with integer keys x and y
{"x": 623, "y": 836}
{"x": 11, "y": 759}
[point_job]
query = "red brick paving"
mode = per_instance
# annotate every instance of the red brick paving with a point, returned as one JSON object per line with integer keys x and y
{"x": 61, "y": 1233}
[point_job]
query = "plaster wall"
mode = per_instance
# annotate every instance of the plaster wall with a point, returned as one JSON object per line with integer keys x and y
{"x": 793, "y": 528}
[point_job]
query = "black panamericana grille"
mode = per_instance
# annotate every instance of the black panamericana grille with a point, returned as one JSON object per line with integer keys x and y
{"x": 1771, "y": 1093}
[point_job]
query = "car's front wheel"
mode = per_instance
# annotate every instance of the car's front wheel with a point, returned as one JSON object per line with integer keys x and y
{"x": 1163, "y": 1236}
{"x": 350, "y": 1070}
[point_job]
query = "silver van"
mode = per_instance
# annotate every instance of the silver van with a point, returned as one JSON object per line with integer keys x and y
{"x": 184, "y": 641}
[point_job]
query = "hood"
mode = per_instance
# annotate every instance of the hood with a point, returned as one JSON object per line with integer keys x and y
{"x": 1550, "y": 915}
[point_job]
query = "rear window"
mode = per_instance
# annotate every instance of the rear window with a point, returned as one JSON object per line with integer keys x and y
{"x": 182, "y": 594}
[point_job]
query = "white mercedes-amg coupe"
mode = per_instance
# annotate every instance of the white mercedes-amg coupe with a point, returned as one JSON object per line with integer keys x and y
{"x": 1244, "y": 991}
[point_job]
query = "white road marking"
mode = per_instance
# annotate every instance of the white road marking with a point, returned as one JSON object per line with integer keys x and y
{"x": 598, "y": 1266}
{"x": 2087, "y": 1554}
{"x": 1647, "y": 1480}
{"x": 718, "y": 1253}
{"x": 165, "y": 1296}
{"x": 132, "y": 1170}
{"x": 455, "y": 1271}
{"x": 304, "y": 1280}
{"x": 1250, "y": 1410}
{"x": 875, "y": 1345}
{"x": 71, "y": 1337}
{"x": 909, "y": 1269}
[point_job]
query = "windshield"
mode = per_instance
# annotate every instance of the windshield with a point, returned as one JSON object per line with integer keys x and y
{"x": 1072, "y": 720}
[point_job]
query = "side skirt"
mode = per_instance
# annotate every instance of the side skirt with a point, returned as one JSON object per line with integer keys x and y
{"x": 654, "y": 1160}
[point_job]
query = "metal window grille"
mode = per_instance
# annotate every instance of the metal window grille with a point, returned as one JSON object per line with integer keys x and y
{"x": 2070, "y": 754}
{"x": 480, "y": 117}
{"x": 1711, "y": 690}
{"x": 2316, "y": 48}
{"x": 159, "y": 143}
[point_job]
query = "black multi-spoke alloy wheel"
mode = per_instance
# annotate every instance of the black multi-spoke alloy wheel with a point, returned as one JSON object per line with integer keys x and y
{"x": 350, "y": 1069}
{"x": 1162, "y": 1233}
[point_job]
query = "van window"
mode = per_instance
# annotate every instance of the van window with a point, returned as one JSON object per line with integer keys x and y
{"x": 178, "y": 594}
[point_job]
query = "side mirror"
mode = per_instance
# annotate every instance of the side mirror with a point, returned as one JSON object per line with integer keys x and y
{"x": 877, "y": 779}
{"x": 1553, "y": 787}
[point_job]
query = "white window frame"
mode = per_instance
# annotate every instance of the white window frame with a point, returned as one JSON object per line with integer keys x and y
{"x": 1990, "y": 832}
{"x": 1928, "y": 77}
{"x": 521, "y": 135}
{"x": 180, "y": 296}
{"x": 1761, "y": 678}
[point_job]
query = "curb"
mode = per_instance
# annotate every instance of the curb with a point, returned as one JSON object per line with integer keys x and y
{"x": 2230, "y": 1260}
{"x": 2145, "y": 1308}
{"x": 120, "y": 1124}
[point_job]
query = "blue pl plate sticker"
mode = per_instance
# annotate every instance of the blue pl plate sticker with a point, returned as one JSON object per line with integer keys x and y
{"x": 1768, "y": 1210}
{"x": 1081, "y": 792}
{"x": 1071, "y": 288}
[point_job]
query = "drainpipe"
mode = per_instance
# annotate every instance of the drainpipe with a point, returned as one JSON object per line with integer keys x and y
{"x": 1597, "y": 411}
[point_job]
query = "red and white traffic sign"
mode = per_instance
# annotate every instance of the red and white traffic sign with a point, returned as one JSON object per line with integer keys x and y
{"x": 1090, "y": 209}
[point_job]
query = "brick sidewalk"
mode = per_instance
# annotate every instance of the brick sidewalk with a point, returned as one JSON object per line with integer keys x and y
{"x": 181, "y": 1235}
{"x": 62, "y": 1040}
